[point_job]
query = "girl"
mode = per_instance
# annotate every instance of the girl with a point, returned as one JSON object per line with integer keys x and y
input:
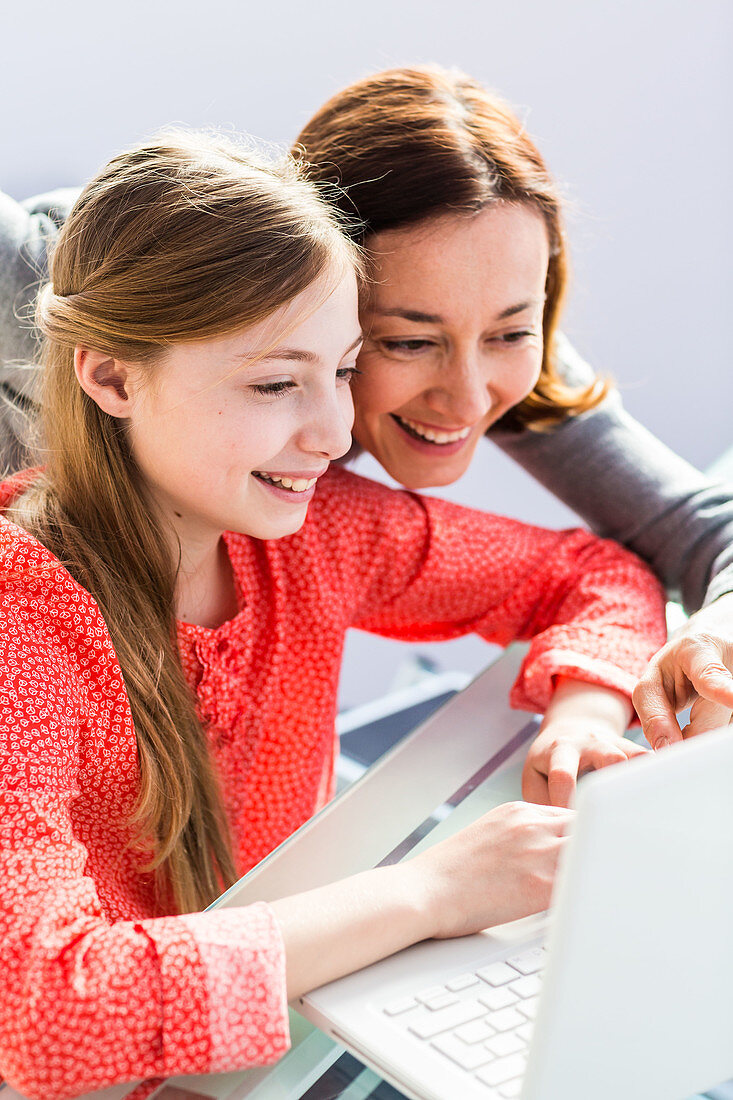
{"x": 461, "y": 341}
{"x": 176, "y": 582}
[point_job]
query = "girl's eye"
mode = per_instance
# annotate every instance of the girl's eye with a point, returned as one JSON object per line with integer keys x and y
{"x": 272, "y": 389}
{"x": 347, "y": 374}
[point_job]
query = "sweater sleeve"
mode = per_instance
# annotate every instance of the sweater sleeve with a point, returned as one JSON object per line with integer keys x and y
{"x": 629, "y": 486}
{"x": 89, "y": 1001}
{"x": 431, "y": 570}
{"x": 26, "y": 232}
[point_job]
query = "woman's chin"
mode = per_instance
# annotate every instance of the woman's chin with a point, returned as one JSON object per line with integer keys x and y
{"x": 426, "y": 473}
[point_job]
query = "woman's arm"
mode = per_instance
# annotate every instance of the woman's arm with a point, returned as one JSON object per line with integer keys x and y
{"x": 629, "y": 486}
{"x": 26, "y": 231}
{"x": 626, "y": 484}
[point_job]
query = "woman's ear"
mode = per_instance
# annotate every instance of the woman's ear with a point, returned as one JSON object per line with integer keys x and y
{"x": 108, "y": 381}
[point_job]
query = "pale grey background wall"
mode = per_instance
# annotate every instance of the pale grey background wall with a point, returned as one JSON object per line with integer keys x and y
{"x": 629, "y": 100}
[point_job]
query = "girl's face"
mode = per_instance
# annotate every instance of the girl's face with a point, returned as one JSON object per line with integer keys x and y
{"x": 230, "y": 439}
{"x": 454, "y": 338}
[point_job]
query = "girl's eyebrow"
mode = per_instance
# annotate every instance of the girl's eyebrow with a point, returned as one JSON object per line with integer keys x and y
{"x": 300, "y": 355}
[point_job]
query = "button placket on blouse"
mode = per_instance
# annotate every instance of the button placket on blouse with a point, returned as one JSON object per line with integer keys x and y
{"x": 218, "y": 656}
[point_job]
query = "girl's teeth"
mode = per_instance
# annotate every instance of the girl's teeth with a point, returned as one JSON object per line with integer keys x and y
{"x": 296, "y": 485}
{"x": 433, "y": 436}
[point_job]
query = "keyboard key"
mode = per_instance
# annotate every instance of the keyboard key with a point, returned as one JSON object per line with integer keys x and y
{"x": 442, "y": 1000}
{"x": 466, "y": 1057}
{"x": 502, "y": 1070}
{"x": 475, "y": 1031}
{"x": 498, "y": 973}
{"x": 525, "y": 1031}
{"x": 404, "y": 1004}
{"x": 505, "y": 1019}
{"x": 529, "y": 1008}
{"x": 428, "y": 994}
{"x": 508, "y": 1043}
{"x": 511, "y": 1088}
{"x": 463, "y": 981}
{"x": 447, "y": 1020}
{"x": 494, "y": 999}
{"x": 528, "y": 986}
{"x": 529, "y": 962}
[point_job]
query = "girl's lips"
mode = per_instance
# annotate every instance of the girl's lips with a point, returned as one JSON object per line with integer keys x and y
{"x": 292, "y": 495}
{"x": 427, "y": 446}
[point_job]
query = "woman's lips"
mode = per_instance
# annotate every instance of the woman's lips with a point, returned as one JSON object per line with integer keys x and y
{"x": 443, "y": 442}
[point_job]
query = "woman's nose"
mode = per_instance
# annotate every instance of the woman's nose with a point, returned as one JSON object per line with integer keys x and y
{"x": 461, "y": 391}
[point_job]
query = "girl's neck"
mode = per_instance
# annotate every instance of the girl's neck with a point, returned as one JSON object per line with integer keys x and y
{"x": 205, "y": 590}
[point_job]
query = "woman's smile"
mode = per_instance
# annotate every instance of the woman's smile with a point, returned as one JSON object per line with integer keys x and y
{"x": 431, "y": 438}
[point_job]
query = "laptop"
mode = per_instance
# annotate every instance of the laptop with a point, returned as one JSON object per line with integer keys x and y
{"x": 624, "y": 991}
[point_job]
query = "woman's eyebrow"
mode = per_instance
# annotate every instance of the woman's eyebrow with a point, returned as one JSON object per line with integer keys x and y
{"x": 421, "y": 318}
{"x": 411, "y": 315}
{"x": 519, "y": 308}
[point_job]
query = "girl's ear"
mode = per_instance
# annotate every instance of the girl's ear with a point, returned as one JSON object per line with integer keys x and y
{"x": 107, "y": 381}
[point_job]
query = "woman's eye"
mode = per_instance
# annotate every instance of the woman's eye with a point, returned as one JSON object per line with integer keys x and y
{"x": 272, "y": 389}
{"x": 515, "y": 337}
{"x": 347, "y": 374}
{"x": 405, "y": 347}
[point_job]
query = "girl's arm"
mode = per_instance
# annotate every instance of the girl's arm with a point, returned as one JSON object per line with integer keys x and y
{"x": 429, "y": 570}
{"x": 96, "y": 988}
{"x": 496, "y": 870}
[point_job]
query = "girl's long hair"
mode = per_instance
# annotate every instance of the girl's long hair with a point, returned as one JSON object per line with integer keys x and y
{"x": 414, "y": 143}
{"x": 182, "y": 238}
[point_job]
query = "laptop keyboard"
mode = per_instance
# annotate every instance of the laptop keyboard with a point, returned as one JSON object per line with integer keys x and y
{"x": 481, "y": 1021}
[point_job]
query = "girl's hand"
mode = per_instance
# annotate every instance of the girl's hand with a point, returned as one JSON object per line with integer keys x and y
{"x": 498, "y": 869}
{"x": 562, "y": 751}
{"x": 582, "y": 730}
{"x": 695, "y": 666}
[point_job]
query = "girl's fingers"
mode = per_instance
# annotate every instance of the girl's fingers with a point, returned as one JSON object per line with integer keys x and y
{"x": 562, "y": 776}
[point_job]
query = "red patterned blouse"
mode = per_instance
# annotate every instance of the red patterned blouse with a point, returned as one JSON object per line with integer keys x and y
{"x": 96, "y": 986}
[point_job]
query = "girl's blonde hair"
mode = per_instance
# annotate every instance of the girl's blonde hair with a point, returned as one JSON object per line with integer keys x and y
{"x": 185, "y": 237}
{"x": 414, "y": 143}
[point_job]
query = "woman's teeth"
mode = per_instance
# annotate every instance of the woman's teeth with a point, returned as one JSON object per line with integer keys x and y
{"x": 295, "y": 484}
{"x": 431, "y": 435}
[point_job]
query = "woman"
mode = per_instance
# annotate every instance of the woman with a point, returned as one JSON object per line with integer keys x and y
{"x": 174, "y": 594}
{"x": 444, "y": 178}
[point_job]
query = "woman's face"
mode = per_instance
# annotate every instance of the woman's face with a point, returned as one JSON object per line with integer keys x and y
{"x": 229, "y": 439}
{"x": 454, "y": 338}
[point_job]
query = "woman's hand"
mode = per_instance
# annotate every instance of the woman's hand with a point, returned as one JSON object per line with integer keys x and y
{"x": 582, "y": 730}
{"x": 695, "y": 666}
